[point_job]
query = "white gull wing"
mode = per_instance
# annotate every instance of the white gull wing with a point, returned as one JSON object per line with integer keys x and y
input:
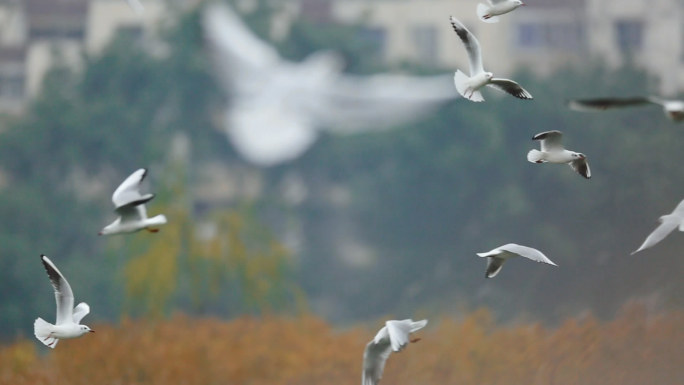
{"x": 63, "y": 294}
{"x": 392, "y": 337}
{"x": 379, "y": 101}
{"x": 374, "y": 358}
{"x": 471, "y": 44}
{"x": 128, "y": 192}
{"x": 550, "y": 140}
{"x": 581, "y": 166}
{"x": 399, "y": 331}
{"x": 510, "y": 87}
{"x": 527, "y": 252}
{"x": 240, "y": 55}
{"x": 496, "y": 257}
{"x": 668, "y": 223}
{"x": 81, "y": 310}
{"x": 136, "y": 5}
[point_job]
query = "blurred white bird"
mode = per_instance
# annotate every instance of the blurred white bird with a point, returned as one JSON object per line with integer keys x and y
{"x": 394, "y": 336}
{"x": 673, "y": 109}
{"x": 130, "y": 206}
{"x": 136, "y": 5}
{"x": 497, "y": 257}
{"x": 67, "y": 324}
{"x": 552, "y": 151}
{"x": 469, "y": 87}
{"x": 489, "y": 12}
{"x": 668, "y": 223}
{"x": 277, "y": 106}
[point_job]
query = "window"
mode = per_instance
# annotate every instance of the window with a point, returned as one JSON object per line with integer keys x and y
{"x": 560, "y": 36}
{"x": 629, "y": 35}
{"x": 425, "y": 40}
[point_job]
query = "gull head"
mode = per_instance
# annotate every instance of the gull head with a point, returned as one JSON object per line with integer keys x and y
{"x": 578, "y": 155}
{"x": 518, "y": 3}
{"x": 85, "y": 329}
{"x": 488, "y": 75}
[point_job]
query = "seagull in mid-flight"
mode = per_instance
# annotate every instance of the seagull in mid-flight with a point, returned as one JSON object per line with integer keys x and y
{"x": 469, "y": 87}
{"x": 278, "y": 108}
{"x": 673, "y": 109}
{"x": 393, "y": 337}
{"x": 67, "y": 324}
{"x": 497, "y": 257}
{"x": 130, "y": 206}
{"x": 668, "y": 223}
{"x": 489, "y": 12}
{"x": 552, "y": 151}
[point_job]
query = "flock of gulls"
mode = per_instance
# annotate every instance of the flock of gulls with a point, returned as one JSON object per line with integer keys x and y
{"x": 224, "y": 28}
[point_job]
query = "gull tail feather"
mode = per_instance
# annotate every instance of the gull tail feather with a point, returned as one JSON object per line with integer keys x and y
{"x": 535, "y": 156}
{"x": 43, "y": 330}
{"x": 482, "y": 13}
{"x": 461, "y": 82}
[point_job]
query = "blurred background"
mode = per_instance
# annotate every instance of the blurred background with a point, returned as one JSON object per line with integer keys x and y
{"x": 360, "y": 228}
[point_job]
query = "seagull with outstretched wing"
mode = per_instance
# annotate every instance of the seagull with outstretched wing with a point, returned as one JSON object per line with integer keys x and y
{"x": 668, "y": 223}
{"x": 278, "y": 107}
{"x": 393, "y": 337}
{"x": 673, "y": 109}
{"x": 489, "y": 12}
{"x": 552, "y": 151}
{"x": 67, "y": 324}
{"x": 130, "y": 206}
{"x": 469, "y": 86}
{"x": 499, "y": 255}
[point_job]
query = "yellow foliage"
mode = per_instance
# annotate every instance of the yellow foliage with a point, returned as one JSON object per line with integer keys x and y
{"x": 634, "y": 349}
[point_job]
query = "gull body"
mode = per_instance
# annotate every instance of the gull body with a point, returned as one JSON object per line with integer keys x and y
{"x": 499, "y": 255}
{"x": 469, "y": 86}
{"x": 489, "y": 12}
{"x": 673, "y": 109}
{"x": 130, "y": 205}
{"x": 67, "y": 324}
{"x": 667, "y": 225}
{"x": 552, "y": 151}
{"x": 393, "y": 337}
{"x": 279, "y": 107}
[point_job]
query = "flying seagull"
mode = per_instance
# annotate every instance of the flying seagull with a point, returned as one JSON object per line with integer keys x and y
{"x": 130, "y": 206}
{"x": 469, "y": 87}
{"x": 489, "y": 12}
{"x": 673, "y": 109}
{"x": 552, "y": 151}
{"x": 668, "y": 223}
{"x": 497, "y": 257}
{"x": 279, "y": 107}
{"x": 68, "y": 317}
{"x": 394, "y": 336}
{"x": 136, "y": 5}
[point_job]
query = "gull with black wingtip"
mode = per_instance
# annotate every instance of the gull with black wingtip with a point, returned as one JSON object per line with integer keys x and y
{"x": 552, "y": 151}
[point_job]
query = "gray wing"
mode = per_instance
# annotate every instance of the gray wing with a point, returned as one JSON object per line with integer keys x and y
{"x": 550, "y": 140}
{"x": 63, "y": 294}
{"x": 132, "y": 213}
{"x": 374, "y": 358}
{"x": 581, "y": 166}
{"x": 600, "y": 104}
{"x": 494, "y": 265}
{"x": 527, "y": 252}
{"x": 81, "y": 310}
{"x": 128, "y": 192}
{"x": 510, "y": 87}
{"x": 472, "y": 46}
{"x": 667, "y": 225}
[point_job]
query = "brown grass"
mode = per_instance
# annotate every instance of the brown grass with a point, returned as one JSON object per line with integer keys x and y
{"x": 636, "y": 348}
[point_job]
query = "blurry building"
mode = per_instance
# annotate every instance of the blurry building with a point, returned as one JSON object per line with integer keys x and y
{"x": 36, "y": 34}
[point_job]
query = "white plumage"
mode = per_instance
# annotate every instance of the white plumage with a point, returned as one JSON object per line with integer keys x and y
{"x": 393, "y": 337}
{"x": 499, "y": 255}
{"x": 668, "y": 223}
